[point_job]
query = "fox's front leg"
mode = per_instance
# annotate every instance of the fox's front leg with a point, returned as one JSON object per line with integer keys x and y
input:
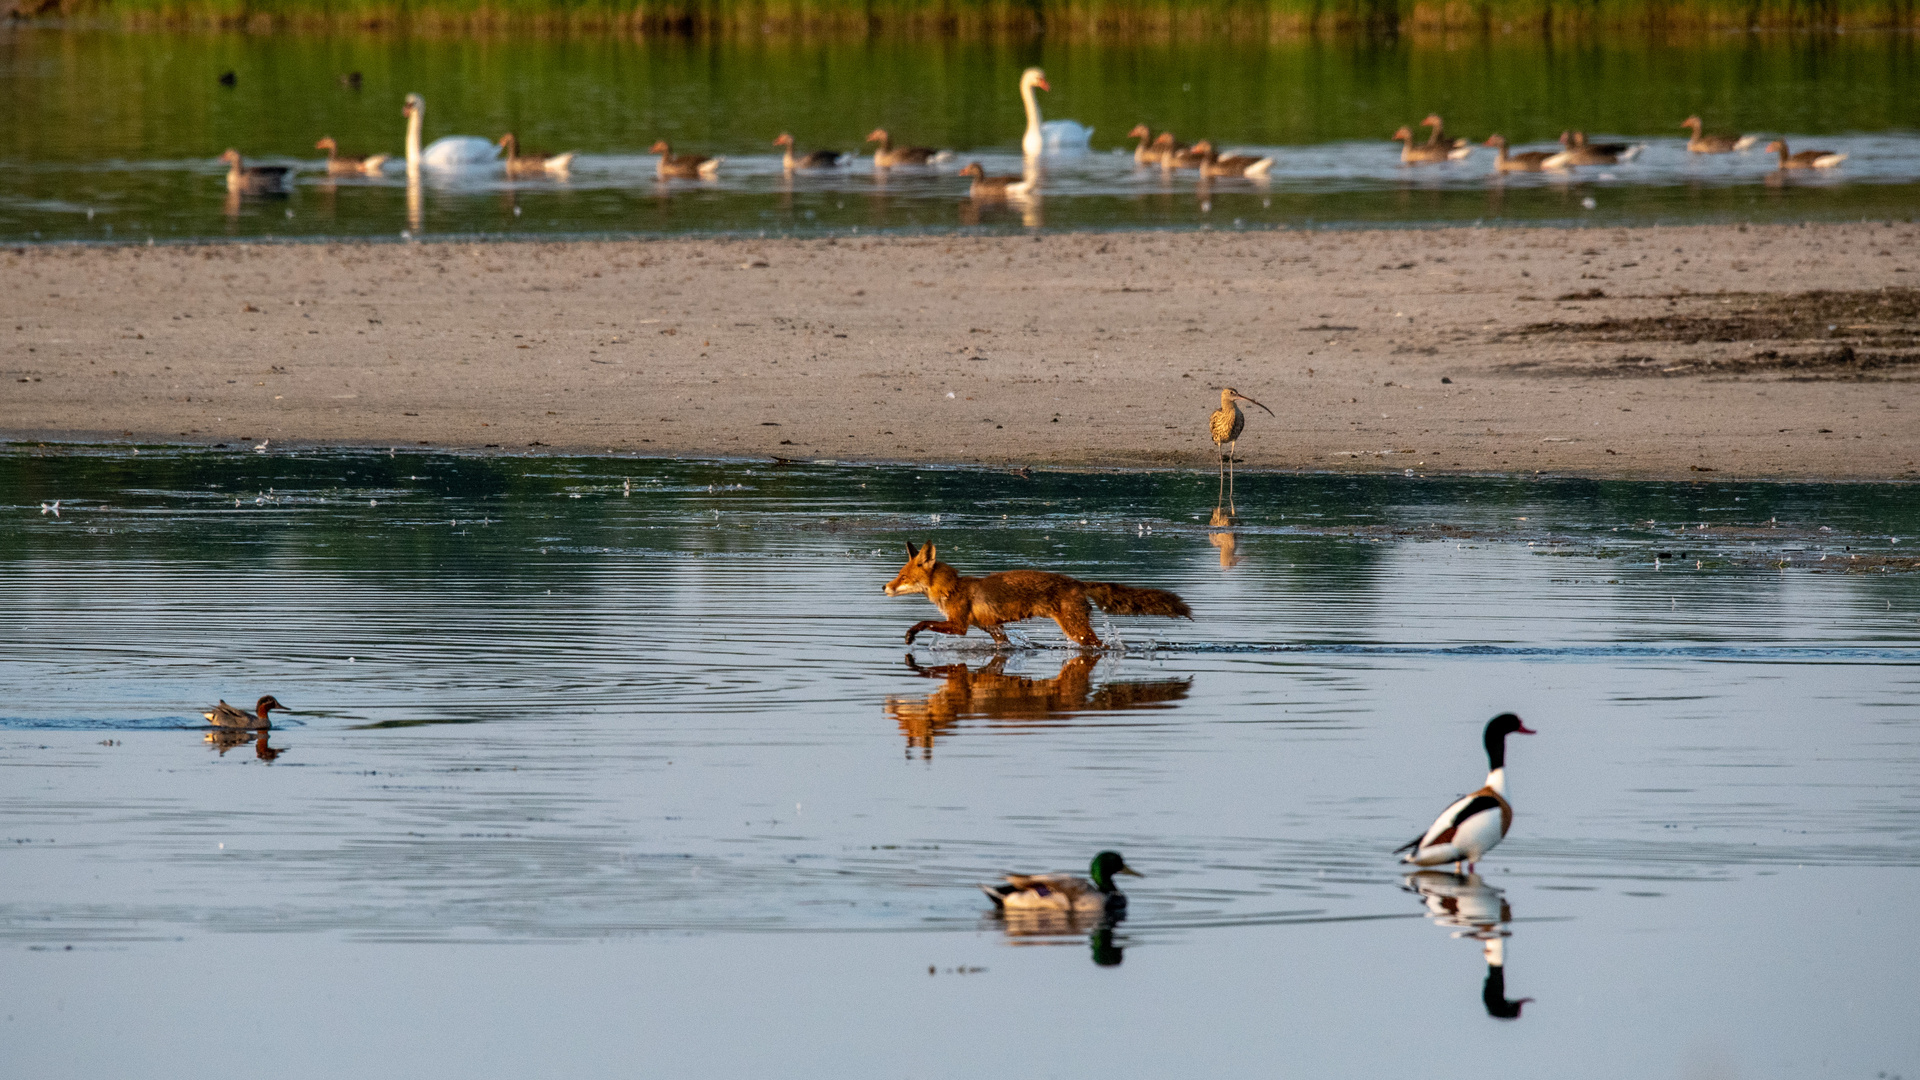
{"x": 957, "y": 629}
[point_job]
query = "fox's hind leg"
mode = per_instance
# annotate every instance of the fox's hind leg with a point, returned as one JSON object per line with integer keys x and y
{"x": 999, "y": 636}
{"x": 1075, "y": 623}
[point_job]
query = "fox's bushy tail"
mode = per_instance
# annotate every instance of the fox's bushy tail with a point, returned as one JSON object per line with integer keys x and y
{"x": 1127, "y": 600}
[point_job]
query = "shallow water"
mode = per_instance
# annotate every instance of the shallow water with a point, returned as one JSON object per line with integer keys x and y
{"x": 115, "y": 136}
{"x": 665, "y": 742}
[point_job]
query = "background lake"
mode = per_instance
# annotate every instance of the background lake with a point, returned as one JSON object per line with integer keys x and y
{"x": 620, "y": 765}
{"x": 114, "y": 136}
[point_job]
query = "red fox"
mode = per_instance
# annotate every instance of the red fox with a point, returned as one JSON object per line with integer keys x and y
{"x": 1012, "y": 595}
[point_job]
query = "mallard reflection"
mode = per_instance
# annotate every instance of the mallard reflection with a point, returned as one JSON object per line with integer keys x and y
{"x": 1051, "y": 927}
{"x": 992, "y": 694}
{"x": 1479, "y": 911}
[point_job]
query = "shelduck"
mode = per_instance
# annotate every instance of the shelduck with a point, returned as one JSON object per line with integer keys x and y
{"x": 1529, "y": 161}
{"x": 339, "y": 164}
{"x": 1053, "y": 136}
{"x": 244, "y": 179}
{"x": 1805, "y": 159}
{"x": 1419, "y": 155}
{"x": 446, "y": 154}
{"x": 1699, "y": 143}
{"x": 1457, "y": 149}
{"x": 998, "y": 187}
{"x": 1065, "y": 892}
{"x": 224, "y": 715}
{"x": 1476, "y": 822}
{"x": 818, "y": 159}
{"x": 1212, "y": 164}
{"x": 886, "y": 157}
{"x": 685, "y": 166}
{"x": 519, "y": 165}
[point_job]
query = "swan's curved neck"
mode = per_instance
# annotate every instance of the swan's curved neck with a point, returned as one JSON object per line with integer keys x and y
{"x": 1031, "y": 143}
{"x": 413, "y": 140}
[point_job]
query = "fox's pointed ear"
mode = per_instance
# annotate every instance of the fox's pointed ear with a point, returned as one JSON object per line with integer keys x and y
{"x": 912, "y": 552}
{"x": 926, "y": 554}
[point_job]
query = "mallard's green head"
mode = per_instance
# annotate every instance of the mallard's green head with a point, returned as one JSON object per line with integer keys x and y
{"x": 1105, "y": 865}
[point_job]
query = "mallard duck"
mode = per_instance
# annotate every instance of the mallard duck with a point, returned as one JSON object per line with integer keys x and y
{"x": 886, "y": 157}
{"x": 1805, "y": 159}
{"x": 254, "y": 179}
{"x": 224, "y": 715}
{"x": 1418, "y": 155}
{"x": 1530, "y": 161}
{"x": 1212, "y": 164}
{"x": 1064, "y": 892}
{"x": 519, "y": 165}
{"x": 686, "y": 166}
{"x": 998, "y": 187}
{"x": 339, "y": 164}
{"x": 1457, "y": 149}
{"x": 1699, "y": 143}
{"x": 818, "y": 159}
{"x": 1477, "y": 822}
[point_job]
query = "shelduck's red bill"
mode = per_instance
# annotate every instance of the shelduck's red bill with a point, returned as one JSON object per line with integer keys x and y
{"x": 1523, "y": 729}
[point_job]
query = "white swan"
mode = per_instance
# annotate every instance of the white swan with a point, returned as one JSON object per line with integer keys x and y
{"x": 1053, "y": 137}
{"x": 452, "y": 152}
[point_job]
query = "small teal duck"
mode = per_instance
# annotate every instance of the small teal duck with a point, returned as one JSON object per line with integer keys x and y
{"x": 224, "y": 715}
{"x": 1064, "y": 892}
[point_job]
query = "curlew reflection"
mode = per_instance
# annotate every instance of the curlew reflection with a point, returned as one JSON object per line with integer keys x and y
{"x": 1479, "y": 911}
{"x": 1228, "y": 545}
{"x": 1055, "y": 927}
{"x": 991, "y": 694}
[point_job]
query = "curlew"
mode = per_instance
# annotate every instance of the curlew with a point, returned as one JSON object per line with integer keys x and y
{"x": 1225, "y": 426}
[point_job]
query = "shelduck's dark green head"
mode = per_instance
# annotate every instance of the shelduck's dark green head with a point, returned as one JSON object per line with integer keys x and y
{"x": 1105, "y": 865}
{"x": 1498, "y": 729}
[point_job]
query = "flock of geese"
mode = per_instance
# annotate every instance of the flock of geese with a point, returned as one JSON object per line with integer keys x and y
{"x": 455, "y": 153}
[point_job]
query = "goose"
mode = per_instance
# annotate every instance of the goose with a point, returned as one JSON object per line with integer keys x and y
{"x": 1175, "y": 155}
{"x": 533, "y": 164}
{"x": 1064, "y": 892}
{"x": 1151, "y": 151}
{"x": 1419, "y": 155}
{"x": 1457, "y": 149}
{"x": 1051, "y": 137}
{"x": 886, "y": 157}
{"x": 224, "y": 715}
{"x": 1212, "y": 164}
{"x": 1578, "y": 151}
{"x": 998, "y": 187}
{"x": 254, "y": 179}
{"x": 1699, "y": 143}
{"x": 448, "y": 153}
{"x": 818, "y": 159}
{"x": 1530, "y": 161}
{"x": 339, "y": 164}
{"x": 1805, "y": 159}
{"x": 687, "y": 166}
{"x": 1476, "y": 822}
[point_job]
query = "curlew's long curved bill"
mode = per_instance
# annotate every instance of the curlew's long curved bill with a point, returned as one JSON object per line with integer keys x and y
{"x": 1250, "y": 401}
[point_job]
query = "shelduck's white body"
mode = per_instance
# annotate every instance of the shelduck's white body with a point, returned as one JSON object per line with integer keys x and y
{"x": 446, "y": 154}
{"x": 1475, "y": 823}
{"x": 1049, "y": 137}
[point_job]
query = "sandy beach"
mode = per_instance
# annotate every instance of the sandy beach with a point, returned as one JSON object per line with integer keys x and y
{"x": 1648, "y": 352}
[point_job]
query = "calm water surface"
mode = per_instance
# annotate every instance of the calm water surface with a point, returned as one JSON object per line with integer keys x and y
{"x": 114, "y": 137}
{"x": 601, "y": 761}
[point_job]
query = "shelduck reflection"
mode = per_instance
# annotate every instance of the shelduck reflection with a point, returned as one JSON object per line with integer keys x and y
{"x": 1104, "y": 942}
{"x": 1478, "y": 911}
{"x": 989, "y": 693}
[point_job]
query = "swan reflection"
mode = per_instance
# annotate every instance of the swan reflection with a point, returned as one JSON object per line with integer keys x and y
{"x": 1479, "y": 911}
{"x": 1056, "y": 927}
{"x": 991, "y": 694}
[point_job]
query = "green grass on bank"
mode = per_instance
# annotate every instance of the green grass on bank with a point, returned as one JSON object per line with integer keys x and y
{"x": 1079, "y": 18}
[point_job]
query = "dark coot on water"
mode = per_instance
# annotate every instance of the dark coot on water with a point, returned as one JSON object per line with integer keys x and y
{"x": 228, "y": 78}
{"x": 351, "y": 80}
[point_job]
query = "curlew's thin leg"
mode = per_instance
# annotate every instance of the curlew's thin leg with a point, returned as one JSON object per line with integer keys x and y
{"x": 1232, "y": 449}
{"x": 1221, "y": 494}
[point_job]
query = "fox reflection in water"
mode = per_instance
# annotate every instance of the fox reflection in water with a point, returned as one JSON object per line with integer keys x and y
{"x": 991, "y": 693}
{"x": 1038, "y": 926}
{"x": 225, "y": 740}
{"x": 1478, "y": 911}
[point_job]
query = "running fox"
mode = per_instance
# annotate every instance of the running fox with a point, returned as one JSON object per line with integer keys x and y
{"x": 1012, "y": 595}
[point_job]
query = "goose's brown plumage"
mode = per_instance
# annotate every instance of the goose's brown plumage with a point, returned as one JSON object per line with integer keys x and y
{"x": 1529, "y": 161}
{"x": 524, "y": 165}
{"x": 686, "y": 166}
{"x": 996, "y": 187}
{"x": 1212, "y": 164}
{"x": 1418, "y": 155}
{"x": 817, "y": 159}
{"x": 1702, "y": 143}
{"x": 339, "y": 164}
{"x": 887, "y": 157}
{"x": 1805, "y": 159}
{"x": 254, "y": 179}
